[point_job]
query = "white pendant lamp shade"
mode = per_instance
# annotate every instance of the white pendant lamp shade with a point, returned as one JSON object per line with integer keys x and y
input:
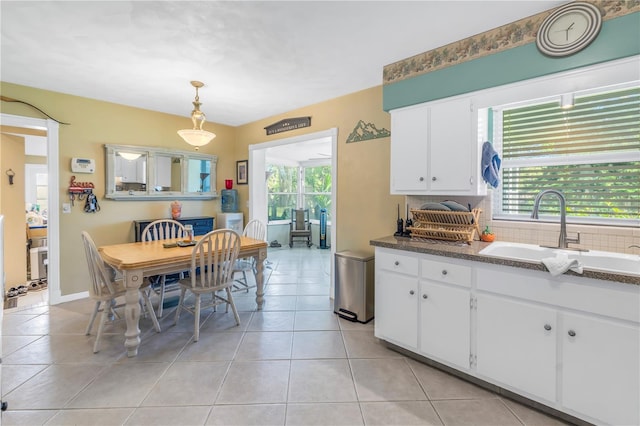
{"x": 197, "y": 136}
{"x": 129, "y": 155}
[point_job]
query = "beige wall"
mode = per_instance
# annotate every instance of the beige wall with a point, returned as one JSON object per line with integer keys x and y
{"x": 12, "y": 207}
{"x": 365, "y": 210}
{"x": 93, "y": 124}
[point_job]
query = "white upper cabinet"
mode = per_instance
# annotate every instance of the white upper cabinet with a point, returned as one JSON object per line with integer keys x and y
{"x": 409, "y": 140}
{"x": 435, "y": 149}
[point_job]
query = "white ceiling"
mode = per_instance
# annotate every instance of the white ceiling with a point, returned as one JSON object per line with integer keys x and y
{"x": 257, "y": 59}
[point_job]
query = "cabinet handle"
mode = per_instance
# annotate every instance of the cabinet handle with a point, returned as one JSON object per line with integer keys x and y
{"x": 412, "y": 292}
{"x": 444, "y": 272}
{"x": 572, "y": 333}
{"x": 434, "y": 178}
{"x": 547, "y": 327}
{"x": 421, "y": 179}
{"x": 424, "y": 296}
{"x": 396, "y": 263}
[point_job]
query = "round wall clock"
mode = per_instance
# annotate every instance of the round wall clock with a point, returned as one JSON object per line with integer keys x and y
{"x": 569, "y": 29}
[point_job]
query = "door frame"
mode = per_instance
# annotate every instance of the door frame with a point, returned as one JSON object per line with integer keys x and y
{"x": 258, "y": 189}
{"x": 53, "y": 220}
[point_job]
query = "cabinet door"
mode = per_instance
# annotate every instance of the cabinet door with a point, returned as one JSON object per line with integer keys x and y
{"x": 409, "y": 138}
{"x": 450, "y": 146}
{"x": 516, "y": 344}
{"x": 601, "y": 369}
{"x": 445, "y": 322}
{"x": 396, "y": 308}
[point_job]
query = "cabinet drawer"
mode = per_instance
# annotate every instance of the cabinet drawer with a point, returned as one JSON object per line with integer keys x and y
{"x": 446, "y": 272}
{"x": 392, "y": 261}
{"x": 200, "y": 226}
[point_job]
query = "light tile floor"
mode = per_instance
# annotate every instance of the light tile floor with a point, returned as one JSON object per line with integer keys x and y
{"x": 293, "y": 363}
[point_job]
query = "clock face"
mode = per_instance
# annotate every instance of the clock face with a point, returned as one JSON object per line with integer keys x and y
{"x": 569, "y": 29}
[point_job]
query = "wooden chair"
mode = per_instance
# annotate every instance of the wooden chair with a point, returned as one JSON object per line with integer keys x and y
{"x": 212, "y": 261}
{"x": 162, "y": 229}
{"x": 256, "y": 230}
{"x": 300, "y": 227}
{"x": 105, "y": 289}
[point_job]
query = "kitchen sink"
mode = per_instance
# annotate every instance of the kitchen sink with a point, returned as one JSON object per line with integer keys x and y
{"x": 617, "y": 263}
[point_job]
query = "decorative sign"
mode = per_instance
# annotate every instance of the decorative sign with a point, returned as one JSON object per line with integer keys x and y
{"x": 366, "y": 131}
{"x": 288, "y": 124}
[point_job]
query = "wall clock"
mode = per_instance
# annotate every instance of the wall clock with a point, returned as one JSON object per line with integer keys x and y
{"x": 569, "y": 29}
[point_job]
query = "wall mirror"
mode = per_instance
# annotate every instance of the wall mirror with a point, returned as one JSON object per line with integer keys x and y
{"x": 140, "y": 172}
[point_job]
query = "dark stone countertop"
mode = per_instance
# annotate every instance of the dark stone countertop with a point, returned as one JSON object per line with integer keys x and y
{"x": 471, "y": 252}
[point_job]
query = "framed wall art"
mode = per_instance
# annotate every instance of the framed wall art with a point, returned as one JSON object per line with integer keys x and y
{"x": 242, "y": 172}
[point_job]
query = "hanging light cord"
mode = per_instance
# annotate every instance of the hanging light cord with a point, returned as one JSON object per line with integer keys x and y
{"x": 7, "y": 99}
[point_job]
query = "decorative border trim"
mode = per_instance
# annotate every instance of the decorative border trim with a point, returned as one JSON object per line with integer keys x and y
{"x": 499, "y": 39}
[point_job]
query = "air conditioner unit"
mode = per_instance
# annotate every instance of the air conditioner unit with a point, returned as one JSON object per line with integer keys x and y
{"x": 38, "y": 263}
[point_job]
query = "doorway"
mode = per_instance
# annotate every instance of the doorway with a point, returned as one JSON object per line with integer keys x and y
{"x": 258, "y": 155}
{"x": 23, "y": 126}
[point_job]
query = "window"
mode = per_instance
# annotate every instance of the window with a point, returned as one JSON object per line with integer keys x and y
{"x": 282, "y": 191}
{"x": 298, "y": 187}
{"x": 317, "y": 190}
{"x": 590, "y": 152}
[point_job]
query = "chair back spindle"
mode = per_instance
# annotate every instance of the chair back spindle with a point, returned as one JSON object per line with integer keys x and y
{"x": 163, "y": 229}
{"x": 214, "y": 255}
{"x": 101, "y": 282}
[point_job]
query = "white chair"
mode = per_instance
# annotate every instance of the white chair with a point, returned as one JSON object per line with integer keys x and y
{"x": 162, "y": 229}
{"x": 212, "y": 261}
{"x": 104, "y": 289}
{"x": 256, "y": 230}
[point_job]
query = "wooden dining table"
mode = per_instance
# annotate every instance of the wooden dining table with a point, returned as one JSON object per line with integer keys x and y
{"x": 144, "y": 259}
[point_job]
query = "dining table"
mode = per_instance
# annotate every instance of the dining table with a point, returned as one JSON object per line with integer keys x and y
{"x": 137, "y": 261}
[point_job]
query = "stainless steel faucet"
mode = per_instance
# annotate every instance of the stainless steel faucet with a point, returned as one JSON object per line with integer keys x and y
{"x": 563, "y": 240}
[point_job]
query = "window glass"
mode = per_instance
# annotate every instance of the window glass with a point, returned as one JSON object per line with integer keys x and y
{"x": 590, "y": 152}
{"x": 317, "y": 190}
{"x": 282, "y": 191}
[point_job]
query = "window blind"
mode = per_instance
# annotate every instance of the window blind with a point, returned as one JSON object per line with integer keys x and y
{"x": 591, "y": 153}
{"x": 598, "y": 123}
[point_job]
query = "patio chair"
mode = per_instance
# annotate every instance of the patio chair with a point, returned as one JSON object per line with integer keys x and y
{"x": 300, "y": 227}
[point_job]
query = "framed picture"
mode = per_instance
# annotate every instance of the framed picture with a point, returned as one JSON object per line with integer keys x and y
{"x": 242, "y": 172}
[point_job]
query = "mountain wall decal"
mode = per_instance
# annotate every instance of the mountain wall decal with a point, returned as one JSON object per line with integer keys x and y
{"x": 366, "y": 131}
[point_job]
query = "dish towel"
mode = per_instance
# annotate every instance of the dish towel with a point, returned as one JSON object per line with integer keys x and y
{"x": 490, "y": 165}
{"x": 561, "y": 263}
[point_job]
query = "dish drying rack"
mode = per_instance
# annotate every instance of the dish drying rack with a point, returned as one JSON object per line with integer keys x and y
{"x": 445, "y": 225}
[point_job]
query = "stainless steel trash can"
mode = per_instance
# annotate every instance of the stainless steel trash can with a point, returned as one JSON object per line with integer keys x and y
{"x": 354, "y": 286}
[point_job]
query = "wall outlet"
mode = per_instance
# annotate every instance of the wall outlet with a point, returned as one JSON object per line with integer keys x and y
{"x": 66, "y": 207}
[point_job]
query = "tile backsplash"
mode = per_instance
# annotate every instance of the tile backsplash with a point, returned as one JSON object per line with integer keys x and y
{"x": 605, "y": 238}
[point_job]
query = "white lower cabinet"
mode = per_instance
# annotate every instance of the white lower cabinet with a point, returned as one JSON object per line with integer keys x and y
{"x": 397, "y": 308}
{"x": 516, "y": 344}
{"x": 570, "y": 343}
{"x": 445, "y": 323}
{"x": 601, "y": 368}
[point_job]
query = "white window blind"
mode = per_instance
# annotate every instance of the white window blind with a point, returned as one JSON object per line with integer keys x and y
{"x": 590, "y": 152}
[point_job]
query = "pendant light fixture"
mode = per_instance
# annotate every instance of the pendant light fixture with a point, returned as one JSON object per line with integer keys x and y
{"x": 196, "y": 136}
{"x": 129, "y": 155}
